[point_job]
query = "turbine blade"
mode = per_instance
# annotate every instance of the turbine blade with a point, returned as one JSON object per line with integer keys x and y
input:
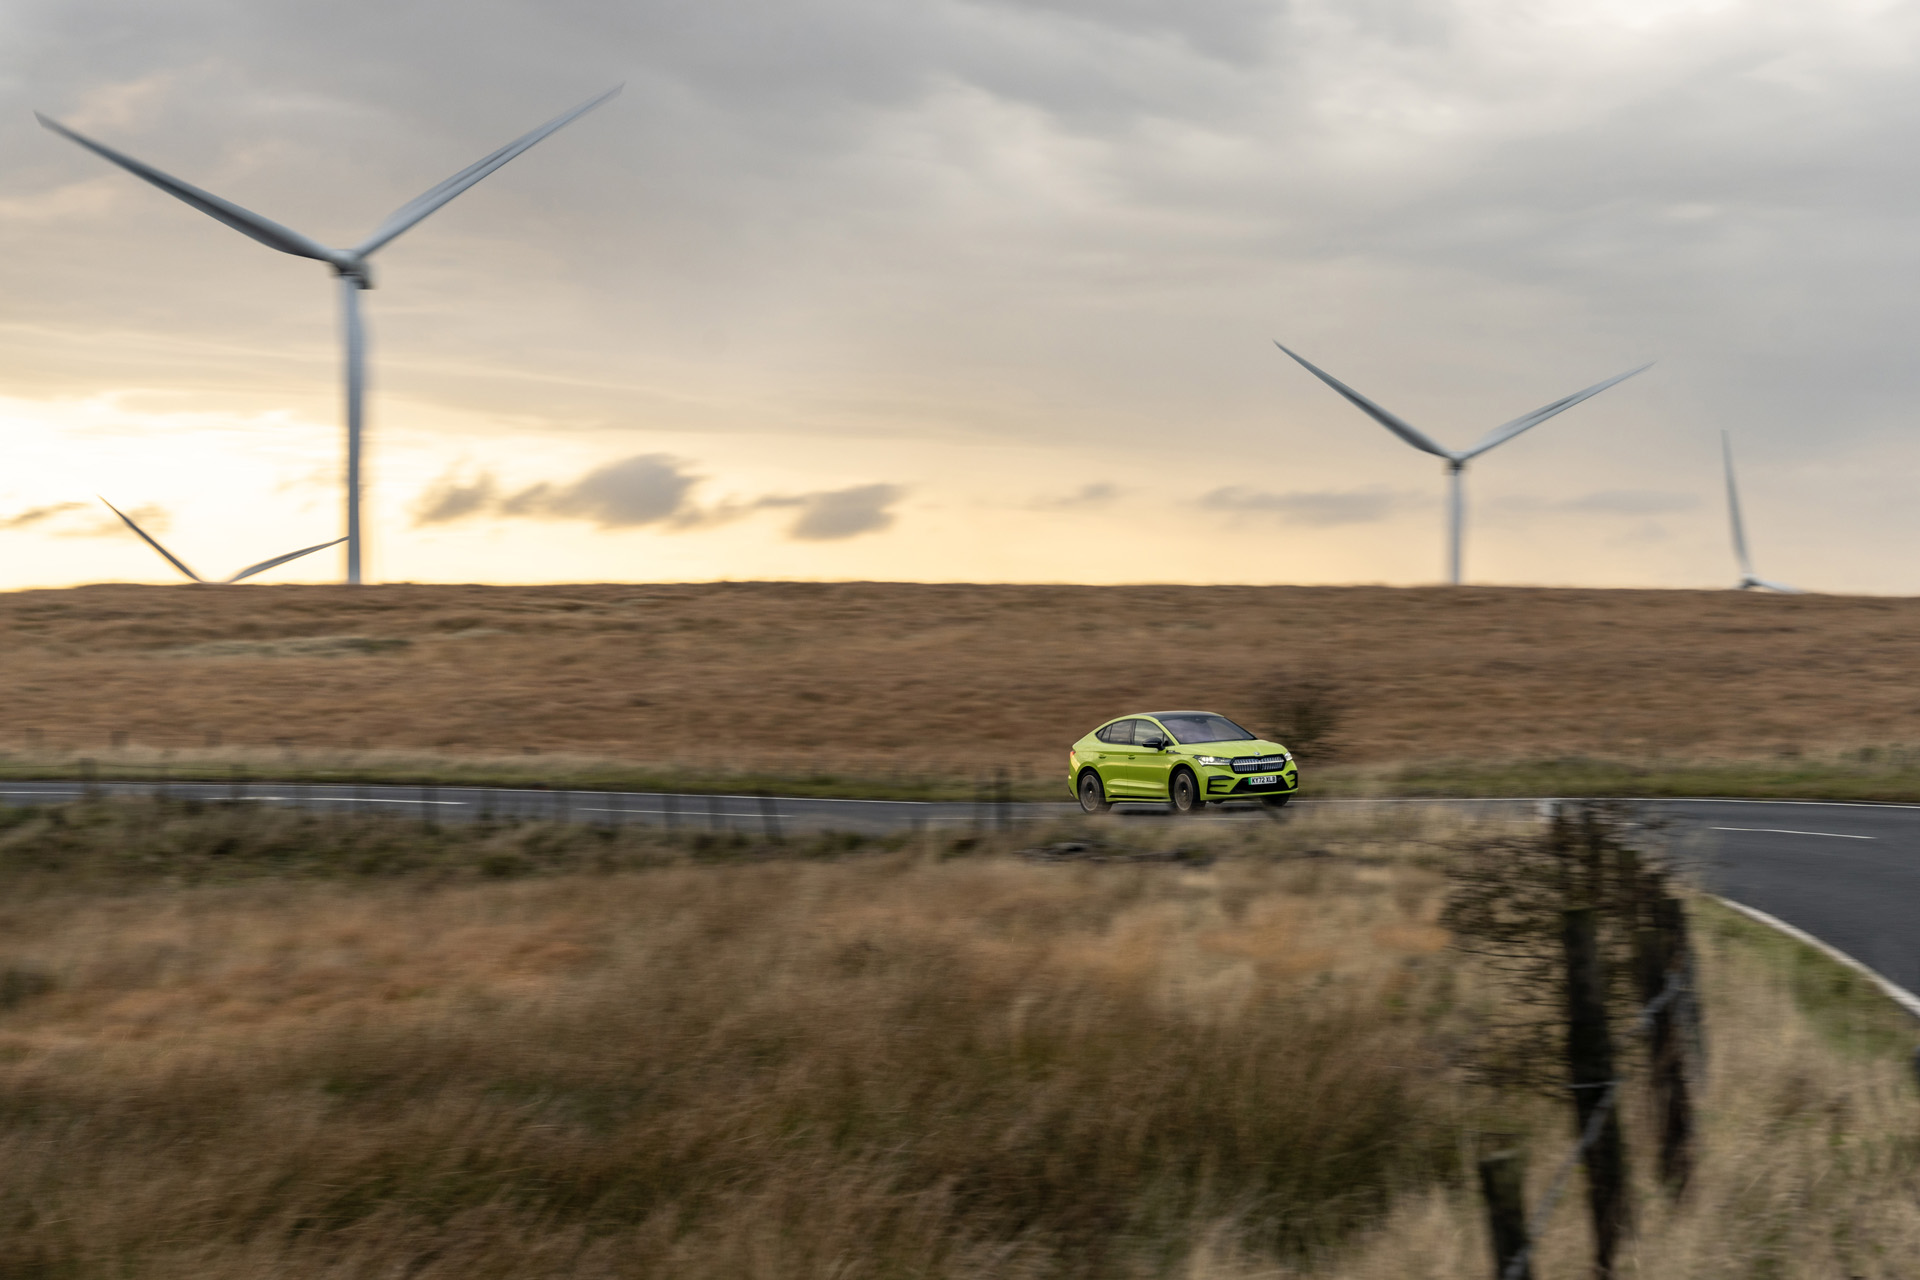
{"x": 1507, "y": 431}
{"x": 265, "y": 565}
{"x": 1391, "y": 421}
{"x": 151, "y": 541}
{"x": 245, "y": 221}
{"x": 1733, "y": 512}
{"x": 427, "y": 201}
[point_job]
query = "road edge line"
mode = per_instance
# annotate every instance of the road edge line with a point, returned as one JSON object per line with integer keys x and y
{"x": 1888, "y": 987}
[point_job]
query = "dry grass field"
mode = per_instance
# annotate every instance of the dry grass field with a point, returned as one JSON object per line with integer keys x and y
{"x": 875, "y": 680}
{"x": 244, "y": 1042}
{"x": 224, "y": 1057}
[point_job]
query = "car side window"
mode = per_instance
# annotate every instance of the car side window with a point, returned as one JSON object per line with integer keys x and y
{"x": 1146, "y": 731}
{"x": 1120, "y": 732}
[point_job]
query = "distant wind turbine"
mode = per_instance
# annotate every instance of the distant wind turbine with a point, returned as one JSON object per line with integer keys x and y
{"x": 350, "y": 265}
{"x": 1747, "y": 579}
{"x": 1456, "y": 460}
{"x": 241, "y": 576}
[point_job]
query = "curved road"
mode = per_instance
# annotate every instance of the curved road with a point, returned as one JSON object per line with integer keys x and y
{"x": 1847, "y": 874}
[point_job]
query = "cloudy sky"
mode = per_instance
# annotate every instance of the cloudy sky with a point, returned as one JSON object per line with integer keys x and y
{"x": 971, "y": 289}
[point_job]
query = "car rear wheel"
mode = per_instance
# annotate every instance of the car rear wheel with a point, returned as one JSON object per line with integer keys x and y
{"x": 1183, "y": 792}
{"x": 1093, "y": 793}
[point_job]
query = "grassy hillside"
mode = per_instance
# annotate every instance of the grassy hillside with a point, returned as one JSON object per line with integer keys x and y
{"x": 943, "y": 683}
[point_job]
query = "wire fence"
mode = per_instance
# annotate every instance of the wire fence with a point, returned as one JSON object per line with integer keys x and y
{"x": 757, "y": 812}
{"x": 1518, "y": 1264}
{"x": 1612, "y": 903}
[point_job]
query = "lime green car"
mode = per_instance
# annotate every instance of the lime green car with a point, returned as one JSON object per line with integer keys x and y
{"x": 1186, "y": 759}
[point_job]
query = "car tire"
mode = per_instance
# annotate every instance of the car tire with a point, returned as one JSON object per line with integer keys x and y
{"x": 1092, "y": 792}
{"x": 1183, "y": 792}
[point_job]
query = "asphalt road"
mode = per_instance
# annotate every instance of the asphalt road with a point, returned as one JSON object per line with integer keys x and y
{"x": 1847, "y": 874}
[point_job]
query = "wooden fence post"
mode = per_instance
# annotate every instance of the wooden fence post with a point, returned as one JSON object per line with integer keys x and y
{"x": 1593, "y": 858}
{"x": 1501, "y": 1177}
{"x": 1590, "y": 1063}
{"x": 1659, "y": 953}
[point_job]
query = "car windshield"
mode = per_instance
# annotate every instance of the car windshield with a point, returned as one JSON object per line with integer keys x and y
{"x": 1200, "y": 727}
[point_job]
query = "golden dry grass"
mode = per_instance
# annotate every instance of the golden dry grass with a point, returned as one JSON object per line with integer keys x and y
{"x": 1810, "y": 1146}
{"x": 227, "y": 1047}
{"x": 900, "y": 1064}
{"x": 792, "y": 678}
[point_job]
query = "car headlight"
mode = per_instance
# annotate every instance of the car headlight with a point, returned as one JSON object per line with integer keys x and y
{"x": 1222, "y": 761}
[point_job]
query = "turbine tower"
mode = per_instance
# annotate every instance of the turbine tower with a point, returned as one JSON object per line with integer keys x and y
{"x": 1748, "y": 582}
{"x": 241, "y": 576}
{"x": 350, "y": 265}
{"x": 1456, "y": 460}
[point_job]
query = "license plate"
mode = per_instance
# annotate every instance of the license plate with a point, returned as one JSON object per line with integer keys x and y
{"x": 1264, "y": 780}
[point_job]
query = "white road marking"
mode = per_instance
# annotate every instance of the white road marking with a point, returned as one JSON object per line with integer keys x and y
{"x": 1782, "y": 831}
{"x": 1891, "y": 989}
{"x": 348, "y": 800}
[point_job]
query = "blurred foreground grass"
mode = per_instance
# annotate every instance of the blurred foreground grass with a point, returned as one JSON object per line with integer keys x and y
{"x": 237, "y": 1040}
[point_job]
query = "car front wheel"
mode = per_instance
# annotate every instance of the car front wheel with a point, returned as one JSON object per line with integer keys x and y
{"x": 1093, "y": 793}
{"x": 1183, "y": 792}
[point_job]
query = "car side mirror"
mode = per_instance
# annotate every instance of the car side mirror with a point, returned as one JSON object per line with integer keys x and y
{"x": 1155, "y": 744}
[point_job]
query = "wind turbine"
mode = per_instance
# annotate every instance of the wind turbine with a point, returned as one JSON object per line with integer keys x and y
{"x": 1747, "y": 579}
{"x": 350, "y": 265}
{"x": 1456, "y": 460}
{"x": 241, "y": 576}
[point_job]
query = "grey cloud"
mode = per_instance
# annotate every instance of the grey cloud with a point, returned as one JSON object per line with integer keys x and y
{"x": 1634, "y": 502}
{"x": 654, "y": 489}
{"x": 448, "y": 499}
{"x": 841, "y": 513}
{"x": 650, "y": 488}
{"x": 34, "y": 515}
{"x": 1363, "y": 506}
{"x": 1089, "y": 495}
{"x": 1611, "y": 502}
{"x": 643, "y": 490}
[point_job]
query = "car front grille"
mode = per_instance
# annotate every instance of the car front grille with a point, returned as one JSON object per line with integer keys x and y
{"x": 1259, "y": 764}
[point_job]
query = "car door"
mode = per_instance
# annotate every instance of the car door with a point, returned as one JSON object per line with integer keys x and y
{"x": 1110, "y": 752}
{"x": 1150, "y": 765}
{"x": 1129, "y": 775}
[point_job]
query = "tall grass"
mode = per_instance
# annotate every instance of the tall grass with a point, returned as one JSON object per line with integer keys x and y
{"x": 238, "y": 1041}
{"x": 253, "y": 1042}
{"x": 1809, "y": 1144}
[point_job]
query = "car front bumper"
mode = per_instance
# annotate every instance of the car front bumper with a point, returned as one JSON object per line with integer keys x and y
{"x": 1223, "y": 784}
